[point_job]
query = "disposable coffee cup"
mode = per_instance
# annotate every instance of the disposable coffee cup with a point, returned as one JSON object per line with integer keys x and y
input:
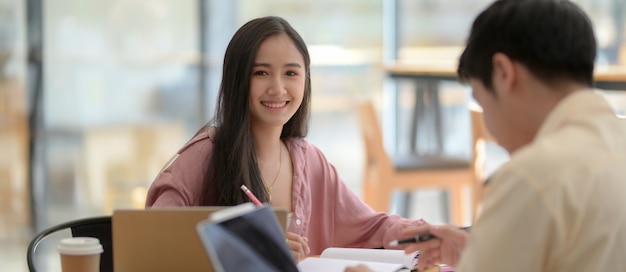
{"x": 80, "y": 254}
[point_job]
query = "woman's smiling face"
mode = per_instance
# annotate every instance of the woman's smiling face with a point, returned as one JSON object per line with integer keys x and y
{"x": 277, "y": 82}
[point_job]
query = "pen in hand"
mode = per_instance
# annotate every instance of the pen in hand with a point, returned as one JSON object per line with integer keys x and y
{"x": 414, "y": 239}
{"x": 251, "y": 196}
{"x": 417, "y": 238}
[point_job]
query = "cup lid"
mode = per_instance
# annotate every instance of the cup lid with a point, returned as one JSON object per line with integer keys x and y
{"x": 80, "y": 246}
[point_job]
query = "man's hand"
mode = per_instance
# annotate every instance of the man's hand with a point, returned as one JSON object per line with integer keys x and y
{"x": 446, "y": 248}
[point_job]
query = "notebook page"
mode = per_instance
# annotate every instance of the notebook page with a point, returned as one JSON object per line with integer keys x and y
{"x": 313, "y": 264}
{"x": 374, "y": 255}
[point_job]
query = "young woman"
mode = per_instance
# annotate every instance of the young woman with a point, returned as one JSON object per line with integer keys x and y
{"x": 257, "y": 139}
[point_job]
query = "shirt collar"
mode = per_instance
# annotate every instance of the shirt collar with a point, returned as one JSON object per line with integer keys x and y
{"x": 579, "y": 103}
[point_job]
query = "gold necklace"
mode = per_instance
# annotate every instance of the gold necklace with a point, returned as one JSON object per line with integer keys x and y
{"x": 280, "y": 163}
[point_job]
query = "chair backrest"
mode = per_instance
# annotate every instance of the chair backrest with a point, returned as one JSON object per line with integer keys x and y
{"x": 480, "y": 135}
{"x": 376, "y": 156}
{"x": 98, "y": 227}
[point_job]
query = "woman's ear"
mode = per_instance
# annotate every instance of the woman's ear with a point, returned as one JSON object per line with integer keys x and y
{"x": 504, "y": 74}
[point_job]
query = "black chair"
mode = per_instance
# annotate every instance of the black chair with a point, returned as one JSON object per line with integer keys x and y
{"x": 98, "y": 227}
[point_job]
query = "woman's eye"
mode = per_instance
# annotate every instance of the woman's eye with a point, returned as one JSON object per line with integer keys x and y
{"x": 291, "y": 73}
{"x": 260, "y": 73}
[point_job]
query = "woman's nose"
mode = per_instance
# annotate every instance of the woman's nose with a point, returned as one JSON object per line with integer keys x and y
{"x": 277, "y": 86}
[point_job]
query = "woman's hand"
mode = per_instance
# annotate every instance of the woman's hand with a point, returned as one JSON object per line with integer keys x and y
{"x": 445, "y": 249}
{"x": 298, "y": 245}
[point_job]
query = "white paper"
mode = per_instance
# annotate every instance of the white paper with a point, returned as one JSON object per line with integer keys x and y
{"x": 379, "y": 260}
{"x": 335, "y": 265}
{"x": 394, "y": 256}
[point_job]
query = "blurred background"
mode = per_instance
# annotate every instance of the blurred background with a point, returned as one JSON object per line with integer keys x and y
{"x": 95, "y": 96}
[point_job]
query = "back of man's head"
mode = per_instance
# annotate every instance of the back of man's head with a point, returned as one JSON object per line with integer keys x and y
{"x": 554, "y": 39}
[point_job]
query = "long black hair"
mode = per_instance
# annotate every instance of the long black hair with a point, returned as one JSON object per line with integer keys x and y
{"x": 233, "y": 161}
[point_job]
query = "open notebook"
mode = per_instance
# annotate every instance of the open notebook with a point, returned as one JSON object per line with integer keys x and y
{"x": 336, "y": 259}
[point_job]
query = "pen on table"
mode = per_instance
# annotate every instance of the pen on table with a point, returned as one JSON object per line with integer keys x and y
{"x": 251, "y": 195}
{"x": 419, "y": 238}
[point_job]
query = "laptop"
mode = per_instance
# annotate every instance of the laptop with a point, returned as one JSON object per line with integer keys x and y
{"x": 163, "y": 239}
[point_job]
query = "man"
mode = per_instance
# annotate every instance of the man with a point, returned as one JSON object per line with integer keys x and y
{"x": 559, "y": 204}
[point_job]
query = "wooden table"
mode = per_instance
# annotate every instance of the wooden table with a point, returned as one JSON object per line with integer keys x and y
{"x": 605, "y": 77}
{"x": 428, "y": 75}
{"x": 610, "y": 78}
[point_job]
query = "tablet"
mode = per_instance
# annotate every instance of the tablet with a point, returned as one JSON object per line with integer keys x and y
{"x": 246, "y": 238}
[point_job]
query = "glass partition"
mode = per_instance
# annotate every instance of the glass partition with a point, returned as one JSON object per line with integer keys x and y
{"x": 120, "y": 96}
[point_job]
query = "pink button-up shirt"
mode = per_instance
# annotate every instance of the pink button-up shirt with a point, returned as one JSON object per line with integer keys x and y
{"x": 325, "y": 211}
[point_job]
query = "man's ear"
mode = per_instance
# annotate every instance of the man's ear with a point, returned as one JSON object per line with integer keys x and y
{"x": 504, "y": 74}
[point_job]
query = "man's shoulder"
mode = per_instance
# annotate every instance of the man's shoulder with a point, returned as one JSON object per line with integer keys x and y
{"x": 563, "y": 157}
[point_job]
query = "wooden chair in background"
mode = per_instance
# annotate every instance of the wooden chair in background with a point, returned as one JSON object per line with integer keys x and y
{"x": 14, "y": 156}
{"x": 480, "y": 136}
{"x": 383, "y": 174}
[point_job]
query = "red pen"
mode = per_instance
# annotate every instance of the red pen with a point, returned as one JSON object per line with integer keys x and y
{"x": 251, "y": 195}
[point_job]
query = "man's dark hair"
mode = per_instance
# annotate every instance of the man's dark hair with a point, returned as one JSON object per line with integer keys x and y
{"x": 554, "y": 39}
